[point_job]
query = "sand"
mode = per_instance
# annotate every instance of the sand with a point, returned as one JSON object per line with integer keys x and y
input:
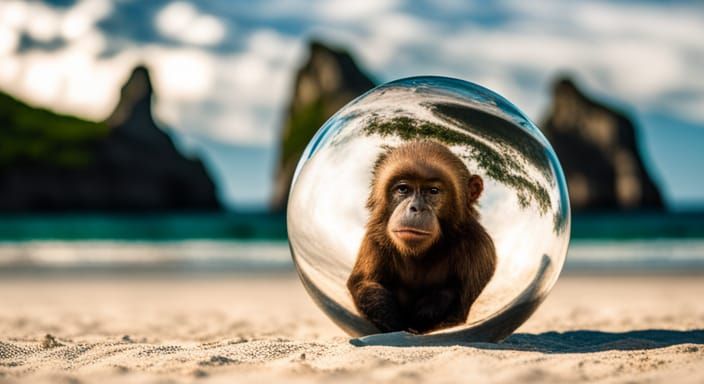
{"x": 609, "y": 329}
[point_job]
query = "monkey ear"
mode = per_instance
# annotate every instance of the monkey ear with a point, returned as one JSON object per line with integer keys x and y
{"x": 475, "y": 187}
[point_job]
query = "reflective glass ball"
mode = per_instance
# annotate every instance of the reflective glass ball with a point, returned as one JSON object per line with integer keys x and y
{"x": 523, "y": 207}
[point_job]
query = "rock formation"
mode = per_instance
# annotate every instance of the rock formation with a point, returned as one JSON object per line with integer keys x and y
{"x": 50, "y": 162}
{"x": 328, "y": 80}
{"x": 599, "y": 153}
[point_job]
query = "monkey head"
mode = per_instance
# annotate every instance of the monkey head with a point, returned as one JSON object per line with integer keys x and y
{"x": 421, "y": 192}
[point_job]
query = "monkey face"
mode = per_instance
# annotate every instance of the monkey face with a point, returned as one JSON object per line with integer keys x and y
{"x": 421, "y": 195}
{"x": 413, "y": 225}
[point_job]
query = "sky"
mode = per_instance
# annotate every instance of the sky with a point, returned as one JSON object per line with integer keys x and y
{"x": 223, "y": 70}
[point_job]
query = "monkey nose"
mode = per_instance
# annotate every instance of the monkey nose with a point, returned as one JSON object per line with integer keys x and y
{"x": 416, "y": 209}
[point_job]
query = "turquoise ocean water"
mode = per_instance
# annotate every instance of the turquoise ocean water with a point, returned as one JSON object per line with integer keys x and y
{"x": 252, "y": 243}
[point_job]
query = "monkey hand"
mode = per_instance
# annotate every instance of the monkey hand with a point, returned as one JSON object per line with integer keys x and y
{"x": 379, "y": 306}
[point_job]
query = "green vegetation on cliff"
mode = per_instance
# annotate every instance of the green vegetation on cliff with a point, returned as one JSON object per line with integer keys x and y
{"x": 39, "y": 136}
{"x": 303, "y": 126}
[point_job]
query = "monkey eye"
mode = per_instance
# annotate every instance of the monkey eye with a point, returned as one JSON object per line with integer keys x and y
{"x": 434, "y": 191}
{"x": 402, "y": 189}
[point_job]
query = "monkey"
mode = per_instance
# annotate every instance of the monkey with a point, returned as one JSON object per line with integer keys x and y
{"x": 424, "y": 258}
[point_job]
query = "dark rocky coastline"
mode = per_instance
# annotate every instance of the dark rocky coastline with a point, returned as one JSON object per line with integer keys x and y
{"x": 55, "y": 163}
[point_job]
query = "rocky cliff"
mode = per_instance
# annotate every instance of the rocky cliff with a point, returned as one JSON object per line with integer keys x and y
{"x": 50, "y": 162}
{"x": 328, "y": 80}
{"x": 598, "y": 149}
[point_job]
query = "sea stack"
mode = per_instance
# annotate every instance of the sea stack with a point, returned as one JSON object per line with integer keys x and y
{"x": 124, "y": 164}
{"x": 329, "y": 79}
{"x": 598, "y": 148}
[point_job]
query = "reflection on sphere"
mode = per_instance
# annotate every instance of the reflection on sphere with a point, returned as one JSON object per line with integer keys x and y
{"x": 522, "y": 205}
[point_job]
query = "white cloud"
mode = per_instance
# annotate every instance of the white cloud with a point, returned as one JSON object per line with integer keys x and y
{"x": 679, "y": 25}
{"x": 182, "y": 21}
{"x": 637, "y": 52}
{"x": 72, "y": 79}
{"x": 352, "y": 11}
{"x": 640, "y": 70}
{"x": 250, "y": 73}
{"x": 9, "y": 40}
{"x": 625, "y": 51}
{"x": 9, "y": 71}
{"x": 93, "y": 85}
{"x": 274, "y": 47}
{"x": 14, "y": 14}
{"x": 399, "y": 28}
{"x": 81, "y": 18}
{"x": 388, "y": 37}
{"x": 252, "y": 86}
{"x": 180, "y": 74}
{"x": 43, "y": 23}
{"x": 243, "y": 126}
{"x": 244, "y": 107}
{"x": 42, "y": 79}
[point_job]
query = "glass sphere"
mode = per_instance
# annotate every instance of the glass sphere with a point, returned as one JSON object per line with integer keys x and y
{"x": 523, "y": 205}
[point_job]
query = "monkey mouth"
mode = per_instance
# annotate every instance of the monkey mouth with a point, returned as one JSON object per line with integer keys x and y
{"x": 411, "y": 233}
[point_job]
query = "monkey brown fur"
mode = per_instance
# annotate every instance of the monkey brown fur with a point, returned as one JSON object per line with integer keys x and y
{"x": 425, "y": 257}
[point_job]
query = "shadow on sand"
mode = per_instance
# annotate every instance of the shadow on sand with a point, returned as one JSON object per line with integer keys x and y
{"x": 555, "y": 342}
{"x": 595, "y": 341}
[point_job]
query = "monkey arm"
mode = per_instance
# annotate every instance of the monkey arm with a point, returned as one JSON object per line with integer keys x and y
{"x": 374, "y": 300}
{"x": 471, "y": 274}
{"x": 378, "y": 304}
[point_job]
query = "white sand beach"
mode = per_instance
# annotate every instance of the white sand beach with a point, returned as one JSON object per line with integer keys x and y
{"x": 605, "y": 329}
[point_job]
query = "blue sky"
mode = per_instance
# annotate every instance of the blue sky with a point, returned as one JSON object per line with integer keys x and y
{"x": 223, "y": 70}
